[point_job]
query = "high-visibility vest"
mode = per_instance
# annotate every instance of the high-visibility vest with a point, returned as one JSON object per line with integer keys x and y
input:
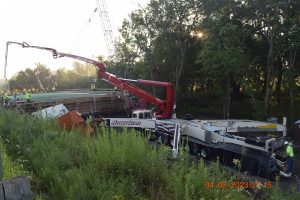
{"x": 27, "y": 96}
{"x": 289, "y": 151}
{"x": 88, "y": 120}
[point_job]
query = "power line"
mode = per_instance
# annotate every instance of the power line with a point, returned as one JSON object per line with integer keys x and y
{"x": 84, "y": 28}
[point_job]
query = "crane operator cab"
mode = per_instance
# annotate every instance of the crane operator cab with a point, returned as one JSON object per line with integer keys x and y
{"x": 142, "y": 114}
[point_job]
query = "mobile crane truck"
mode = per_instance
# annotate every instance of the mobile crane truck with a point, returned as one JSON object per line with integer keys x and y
{"x": 259, "y": 155}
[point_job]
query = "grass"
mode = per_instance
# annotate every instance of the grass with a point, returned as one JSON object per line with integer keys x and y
{"x": 111, "y": 165}
{"x": 10, "y": 168}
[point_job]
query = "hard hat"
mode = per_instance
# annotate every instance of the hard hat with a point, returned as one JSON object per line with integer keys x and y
{"x": 286, "y": 142}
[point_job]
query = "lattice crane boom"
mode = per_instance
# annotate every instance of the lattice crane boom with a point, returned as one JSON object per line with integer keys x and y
{"x": 106, "y": 25}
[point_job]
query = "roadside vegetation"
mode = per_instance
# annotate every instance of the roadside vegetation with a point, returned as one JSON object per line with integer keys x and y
{"x": 11, "y": 168}
{"x": 109, "y": 165}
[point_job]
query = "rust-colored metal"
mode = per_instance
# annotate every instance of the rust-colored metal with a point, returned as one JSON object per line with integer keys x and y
{"x": 72, "y": 121}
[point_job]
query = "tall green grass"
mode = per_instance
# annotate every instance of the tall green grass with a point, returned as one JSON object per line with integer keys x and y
{"x": 11, "y": 168}
{"x": 111, "y": 165}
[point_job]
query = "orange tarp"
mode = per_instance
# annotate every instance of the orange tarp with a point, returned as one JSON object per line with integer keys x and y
{"x": 73, "y": 121}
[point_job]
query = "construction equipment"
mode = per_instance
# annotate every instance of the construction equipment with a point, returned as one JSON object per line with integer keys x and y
{"x": 259, "y": 155}
{"x": 5, "y": 66}
{"x": 106, "y": 25}
{"x": 163, "y": 108}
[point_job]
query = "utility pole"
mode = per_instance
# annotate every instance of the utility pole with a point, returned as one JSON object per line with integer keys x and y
{"x": 106, "y": 25}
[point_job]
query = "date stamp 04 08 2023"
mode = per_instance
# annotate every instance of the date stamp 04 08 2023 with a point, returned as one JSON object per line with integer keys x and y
{"x": 238, "y": 184}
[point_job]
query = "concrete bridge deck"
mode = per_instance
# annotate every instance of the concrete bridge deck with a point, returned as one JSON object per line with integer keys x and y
{"x": 84, "y": 101}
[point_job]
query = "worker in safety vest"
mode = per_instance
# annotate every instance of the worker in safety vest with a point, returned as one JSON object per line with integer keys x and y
{"x": 13, "y": 101}
{"x": 27, "y": 96}
{"x": 6, "y": 98}
{"x": 290, "y": 155}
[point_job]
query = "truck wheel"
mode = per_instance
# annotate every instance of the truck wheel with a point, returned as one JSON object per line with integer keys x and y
{"x": 170, "y": 141}
{"x": 205, "y": 153}
{"x": 251, "y": 166}
{"x": 160, "y": 139}
{"x": 194, "y": 149}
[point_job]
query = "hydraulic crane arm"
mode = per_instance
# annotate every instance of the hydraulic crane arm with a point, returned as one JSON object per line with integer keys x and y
{"x": 164, "y": 107}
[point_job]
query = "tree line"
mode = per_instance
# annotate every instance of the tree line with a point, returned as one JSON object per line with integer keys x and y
{"x": 42, "y": 79}
{"x": 228, "y": 58}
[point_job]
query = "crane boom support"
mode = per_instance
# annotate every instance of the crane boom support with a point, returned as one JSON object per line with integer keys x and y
{"x": 164, "y": 107}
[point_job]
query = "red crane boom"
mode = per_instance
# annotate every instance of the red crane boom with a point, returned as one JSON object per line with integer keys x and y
{"x": 163, "y": 108}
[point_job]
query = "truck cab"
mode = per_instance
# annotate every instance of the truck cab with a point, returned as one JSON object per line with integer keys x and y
{"x": 142, "y": 114}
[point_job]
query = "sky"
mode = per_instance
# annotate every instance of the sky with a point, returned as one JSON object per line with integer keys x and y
{"x": 60, "y": 24}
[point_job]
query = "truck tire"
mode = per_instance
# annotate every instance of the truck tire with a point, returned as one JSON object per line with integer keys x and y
{"x": 251, "y": 167}
{"x": 205, "y": 153}
{"x": 194, "y": 149}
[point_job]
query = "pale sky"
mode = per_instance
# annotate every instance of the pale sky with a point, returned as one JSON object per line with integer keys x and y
{"x": 59, "y": 24}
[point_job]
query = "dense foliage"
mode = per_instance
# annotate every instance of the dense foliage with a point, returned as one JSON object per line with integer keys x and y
{"x": 229, "y": 58}
{"x": 41, "y": 78}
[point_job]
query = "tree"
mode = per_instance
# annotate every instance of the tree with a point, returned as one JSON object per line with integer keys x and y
{"x": 24, "y": 79}
{"x": 266, "y": 19}
{"x": 162, "y": 22}
{"x": 177, "y": 20}
{"x": 81, "y": 76}
{"x": 139, "y": 32}
{"x": 249, "y": 51}
{"x": 288, "y": 46}
{"x": 222, "y": 57}
{"x": 43, "y": 76}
